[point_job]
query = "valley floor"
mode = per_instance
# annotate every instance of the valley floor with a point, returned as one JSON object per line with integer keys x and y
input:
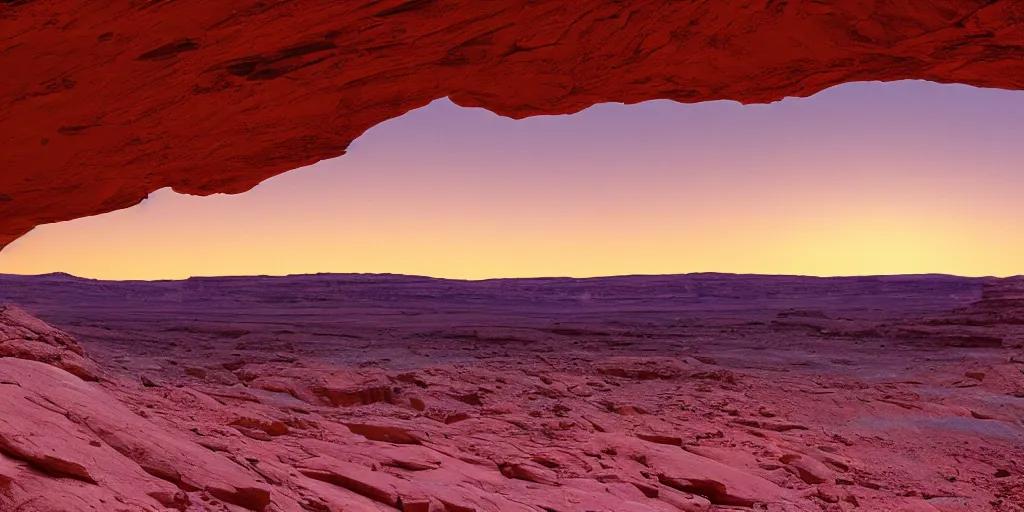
{"x": 382, "y": 393}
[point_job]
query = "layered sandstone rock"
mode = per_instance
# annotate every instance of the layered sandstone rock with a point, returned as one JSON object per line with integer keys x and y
{"x": 104, "y": 102}
{"x": 26, "y": 337}
{"x": 1002, "y": 301}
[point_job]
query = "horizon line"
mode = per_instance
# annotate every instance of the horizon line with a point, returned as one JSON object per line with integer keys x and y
{"x": 614, "y": 276}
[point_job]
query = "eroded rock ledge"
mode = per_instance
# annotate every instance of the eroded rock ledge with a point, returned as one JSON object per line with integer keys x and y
{"x": 103, "y": 103}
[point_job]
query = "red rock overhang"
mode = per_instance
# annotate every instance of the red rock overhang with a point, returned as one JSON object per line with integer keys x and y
{"x": 102, "y": 103}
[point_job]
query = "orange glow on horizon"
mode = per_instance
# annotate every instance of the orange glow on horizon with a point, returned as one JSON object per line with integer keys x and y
{"x": 787, "y": 188}
{"x": 481, "y": 248}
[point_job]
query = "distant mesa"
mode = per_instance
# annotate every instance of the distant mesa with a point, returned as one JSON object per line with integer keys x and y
{"x": 60, "y": 275}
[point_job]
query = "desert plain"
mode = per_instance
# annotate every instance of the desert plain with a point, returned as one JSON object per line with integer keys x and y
{"x": 328, "y": 393}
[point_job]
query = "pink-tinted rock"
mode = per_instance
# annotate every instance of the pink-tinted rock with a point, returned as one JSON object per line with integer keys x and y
{"x": 684, "y": 501}
{"x": 529, "y": 471}
{"x": 684, "y": 471}
{"x": 643, "y": 368}
{"x": 345, "y": 390}
{"x": 161, "y": 453}
{"x": 385, "y": 433}
{"x": 809, "y": 470}
{"x": 661, "y": 439}
{"x": 375, "y": 485}
{"x": 269, "y": 426}
{"x": 763, "y": 425}
{"x": 26, "y": 337}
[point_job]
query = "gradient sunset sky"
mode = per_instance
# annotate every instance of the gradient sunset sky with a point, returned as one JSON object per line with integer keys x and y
{"x": 866, "y": 178}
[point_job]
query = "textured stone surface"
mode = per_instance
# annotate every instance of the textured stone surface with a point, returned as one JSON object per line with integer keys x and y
{"x": 25, "y": 337}
{"x": 1002, "y": 302}
{"x": 483, "y": 412}
{"x": 104, "y": 102}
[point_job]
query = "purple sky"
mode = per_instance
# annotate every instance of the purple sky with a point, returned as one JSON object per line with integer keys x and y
{"x": 866, "y": 178}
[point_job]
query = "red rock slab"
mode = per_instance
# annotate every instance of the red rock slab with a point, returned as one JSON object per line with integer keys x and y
{"x": 375, "y": 485}
{"x": 159, "y": 452}
{"x": 41, "y": 441}
{"x": 26, "y": 490}
{"x": 113, "y": 100}
{"x": 332, "y": 498}
{"x": 386, "y": 433}
{"x": 345, "y": 390}
{"x": 691, "y": 473}
{"x": 809, "y": 470}
{"x": 26, "y": 337}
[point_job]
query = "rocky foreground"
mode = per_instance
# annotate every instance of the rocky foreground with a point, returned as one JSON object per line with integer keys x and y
{"x": 383, "y": 393}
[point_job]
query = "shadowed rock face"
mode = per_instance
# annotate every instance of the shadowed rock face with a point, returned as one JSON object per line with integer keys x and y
{"x": 1005, "y": 299}
{"x": 113, "y": 100}
{"x": 1002, "y": 302}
